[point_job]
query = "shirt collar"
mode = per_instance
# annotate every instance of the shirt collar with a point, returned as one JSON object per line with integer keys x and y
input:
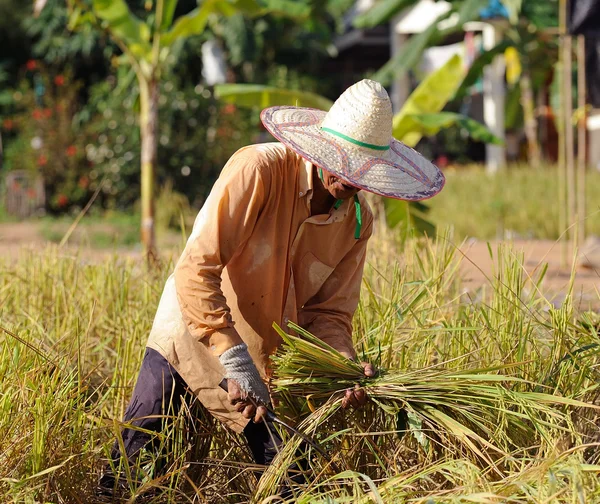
{"x": 305, "y": 189}
{"x": 305, "y": 179}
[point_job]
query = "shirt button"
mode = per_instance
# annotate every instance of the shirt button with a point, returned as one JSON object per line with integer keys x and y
{"x": 301, "y": 193}
{"x": 286, "y": 320}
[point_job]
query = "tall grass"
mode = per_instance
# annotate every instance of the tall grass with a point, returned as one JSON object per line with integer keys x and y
{"x": 516, "y": 202}
{"x": 74, "y": 335}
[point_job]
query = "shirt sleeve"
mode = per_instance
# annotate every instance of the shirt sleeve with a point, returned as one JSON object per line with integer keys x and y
{"x": 328, "y": 314}
{"x": 222, "y": 227}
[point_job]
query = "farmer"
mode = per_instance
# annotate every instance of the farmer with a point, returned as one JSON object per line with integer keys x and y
{"x": 282, "y": 237}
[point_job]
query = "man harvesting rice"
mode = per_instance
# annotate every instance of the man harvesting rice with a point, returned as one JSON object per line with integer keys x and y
{"x": 282, "y": 237}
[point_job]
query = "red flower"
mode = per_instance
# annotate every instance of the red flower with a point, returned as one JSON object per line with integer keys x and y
{"x": 47, "y": 113}
{"x": 31, "y": 193}
{"x": 442, "y": 161}
{"x": 37, "y": 114}
{"x": 8, "y": 124}
{"x": 59, "y": 80}
{"x": 62, "y": 200}
{"x": 71, "y": 150}
{"x": 84, "y": 182}
{"x": 42, "y": 160}
{"x": 229, "y": 108}
{"x": 31, "y": 65}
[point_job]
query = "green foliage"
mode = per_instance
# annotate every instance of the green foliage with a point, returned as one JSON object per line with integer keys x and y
{"x": 382, "y": 11}
{"x": 430, "y": 124}
{"x": 252, "y": 95}
{"x": 409, "y": 217}
{"x": 193, "y": 23}
{"x": 44, "y": 141}
{"x": 195, "y": 133}
{"x": 84, "y": 50}
{"x": 123, "y": 25}
{"x": 430, "y": 96}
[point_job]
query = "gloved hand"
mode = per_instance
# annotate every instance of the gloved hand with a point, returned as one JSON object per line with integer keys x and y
{"x": 244, "y": 381}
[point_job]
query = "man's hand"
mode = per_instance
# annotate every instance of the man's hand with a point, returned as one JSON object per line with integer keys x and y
{"x": 247, "y": 407}
{"x": 357, "y": 397}
{"x": 245, "y": 388}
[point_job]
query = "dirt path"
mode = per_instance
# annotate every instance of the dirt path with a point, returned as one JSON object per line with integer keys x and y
{"x": 477, "y": 265}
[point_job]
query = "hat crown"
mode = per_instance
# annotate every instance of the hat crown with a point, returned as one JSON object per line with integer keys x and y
{"x": 362, "y": 113}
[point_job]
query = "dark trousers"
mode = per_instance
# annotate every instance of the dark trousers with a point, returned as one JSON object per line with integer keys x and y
{"x": 158, "y": 396}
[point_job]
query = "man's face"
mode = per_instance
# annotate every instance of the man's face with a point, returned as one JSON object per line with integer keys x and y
{"x": 337, "y": 188}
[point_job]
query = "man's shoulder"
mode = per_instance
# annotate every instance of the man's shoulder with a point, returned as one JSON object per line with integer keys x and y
{"x": 272, "y": 153}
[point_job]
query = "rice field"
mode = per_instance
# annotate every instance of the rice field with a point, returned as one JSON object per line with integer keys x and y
{"x": 484, "y": 396}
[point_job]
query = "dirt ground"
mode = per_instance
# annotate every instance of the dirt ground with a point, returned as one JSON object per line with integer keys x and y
{"x": 477, "y": 265}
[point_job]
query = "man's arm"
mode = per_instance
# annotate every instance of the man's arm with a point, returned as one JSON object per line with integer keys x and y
{"x": 222, "y": 228}
{"x": 328, "y": 314}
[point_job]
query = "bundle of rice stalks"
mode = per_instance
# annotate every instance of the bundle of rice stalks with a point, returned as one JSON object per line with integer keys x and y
{"x": 479, "y": 413}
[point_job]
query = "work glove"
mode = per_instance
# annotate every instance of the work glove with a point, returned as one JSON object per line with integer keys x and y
{"x": 239, "y": 367}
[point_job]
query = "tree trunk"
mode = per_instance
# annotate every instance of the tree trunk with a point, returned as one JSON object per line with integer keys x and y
{"x": 148, "y": 133}
{"x": 533, "y": 148}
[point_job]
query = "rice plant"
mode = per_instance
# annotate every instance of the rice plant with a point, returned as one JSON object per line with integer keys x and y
{"x": 482, "y": 396}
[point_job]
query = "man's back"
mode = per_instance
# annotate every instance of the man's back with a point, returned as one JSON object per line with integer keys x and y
{"x": 256, "y": 256}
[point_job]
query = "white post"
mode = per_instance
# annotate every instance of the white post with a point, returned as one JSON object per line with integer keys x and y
{"x": 401, "y": 84}
{"x": 493, "y": 99}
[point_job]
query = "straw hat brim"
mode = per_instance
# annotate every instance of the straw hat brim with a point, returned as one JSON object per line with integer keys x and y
{"x": 399, "y": 172}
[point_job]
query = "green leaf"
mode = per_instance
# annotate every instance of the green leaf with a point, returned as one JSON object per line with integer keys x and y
{"x": 167, "y": 14}
{"x": 255, "y": 95}
{"x": 192, "y": 23}
{"x": 411, "y": 214}
{"x": 6, "y": 98}
{"x": 430, "y": 124}
{"x": 430, "y": 96}
{"x": 514, "y": 9}
{"x": 288, "y": 8}
{"x": 248, "y": 7}
{"x": 415, "y": 423}
{"x": 381, "y": 12}
{"x": 123, "y": 25}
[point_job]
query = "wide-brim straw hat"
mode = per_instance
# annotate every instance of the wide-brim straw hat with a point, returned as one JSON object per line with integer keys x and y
{"x": 354, "y": 142}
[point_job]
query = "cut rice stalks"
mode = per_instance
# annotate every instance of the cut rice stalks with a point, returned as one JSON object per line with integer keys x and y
{"x": 488, "y": 417}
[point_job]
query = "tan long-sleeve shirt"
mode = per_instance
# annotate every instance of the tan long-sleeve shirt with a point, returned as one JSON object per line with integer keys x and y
{"x": 256, "y": 256}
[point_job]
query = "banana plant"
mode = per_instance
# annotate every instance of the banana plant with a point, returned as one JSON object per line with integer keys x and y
{"x": 146, "y": 46}
{"x": 525, "y": 35}
{"x": 420, "y": 115}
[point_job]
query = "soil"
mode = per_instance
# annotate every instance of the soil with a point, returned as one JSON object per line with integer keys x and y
{"x": 477, "y": 265}
{"x": 477, "y": 268}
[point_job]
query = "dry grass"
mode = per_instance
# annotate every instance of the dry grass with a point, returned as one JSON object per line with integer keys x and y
{"x": 76, "y": 334}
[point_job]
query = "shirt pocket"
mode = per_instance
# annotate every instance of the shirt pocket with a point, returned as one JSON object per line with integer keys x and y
{"x": 310, "y": 277}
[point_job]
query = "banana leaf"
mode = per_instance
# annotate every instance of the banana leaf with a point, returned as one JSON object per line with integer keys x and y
{"x": 123, "y": 24}
{"x": 381, "y": 12}
{"x": 430, "y": 96}
{"x": 255, "y": 95}
{"x": 430, "y": 124}
{"x": 411, "y": 215}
